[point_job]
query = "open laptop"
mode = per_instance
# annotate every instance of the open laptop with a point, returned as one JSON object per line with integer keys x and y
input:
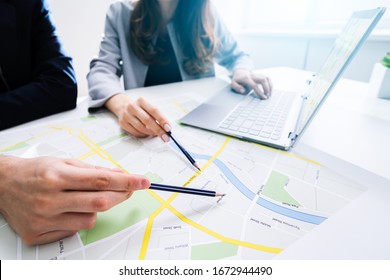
{"x": 281, "y": 120}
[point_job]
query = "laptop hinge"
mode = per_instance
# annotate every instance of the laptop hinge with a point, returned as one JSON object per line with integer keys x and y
{"x": 292, "y": 136}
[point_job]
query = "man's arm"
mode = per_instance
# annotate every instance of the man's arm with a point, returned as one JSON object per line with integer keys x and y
{"x": 48, "y": 86}
{"x": 45, "y": 198}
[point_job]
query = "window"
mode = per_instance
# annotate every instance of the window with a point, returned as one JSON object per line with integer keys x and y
{"x": 295, "y": 15}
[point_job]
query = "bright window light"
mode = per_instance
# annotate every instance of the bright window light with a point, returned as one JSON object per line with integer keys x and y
{"x": 295, "y": 14}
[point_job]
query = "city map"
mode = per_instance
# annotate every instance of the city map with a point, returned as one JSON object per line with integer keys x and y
{"x": 273, "y": 198}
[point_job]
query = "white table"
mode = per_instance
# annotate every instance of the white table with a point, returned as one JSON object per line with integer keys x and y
{"x": 351, "y": 133}
{"x": 362, "y": 228}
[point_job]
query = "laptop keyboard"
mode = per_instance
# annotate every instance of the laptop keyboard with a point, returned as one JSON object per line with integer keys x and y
{"x": 256, "y": 117}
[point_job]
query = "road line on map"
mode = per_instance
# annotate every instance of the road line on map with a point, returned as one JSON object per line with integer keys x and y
{"x": 149, "y": 225}
{"x": 166, "y": 204}
{"x": 290, "y": 154}
{"x": 27, "y": 140}
{"x": 223, "y": 238}
{"x": 162, "y": 207}
{"x": 196, "y": 225}
{"x": 178, "y": 105}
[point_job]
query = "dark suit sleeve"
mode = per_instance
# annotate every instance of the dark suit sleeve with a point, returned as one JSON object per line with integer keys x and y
{"x": 52, "y": 87}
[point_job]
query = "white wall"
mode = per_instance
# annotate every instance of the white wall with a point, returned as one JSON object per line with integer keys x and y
{"x": 80, "y": 26}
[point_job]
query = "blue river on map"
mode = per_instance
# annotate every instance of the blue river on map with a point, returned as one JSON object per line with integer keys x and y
{"x": 291, "y": 213}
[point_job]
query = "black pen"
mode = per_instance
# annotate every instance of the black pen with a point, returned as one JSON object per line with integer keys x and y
{"x": 169, "y": 188}
{"x": 188, "y": 156}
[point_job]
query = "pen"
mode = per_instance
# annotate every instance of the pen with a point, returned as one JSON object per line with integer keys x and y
{"x": 168, "y": 188}
{"x": 188, "y": 156}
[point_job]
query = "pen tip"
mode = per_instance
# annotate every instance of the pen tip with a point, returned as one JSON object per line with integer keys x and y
{"x": 220, "y": 194}
{"x": 197, "y": 167}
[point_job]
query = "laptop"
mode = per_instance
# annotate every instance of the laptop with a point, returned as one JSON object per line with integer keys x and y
{"x": 282, "y": 119}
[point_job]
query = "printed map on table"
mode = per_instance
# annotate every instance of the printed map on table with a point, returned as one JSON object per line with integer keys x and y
{"x": 273, "y": 198}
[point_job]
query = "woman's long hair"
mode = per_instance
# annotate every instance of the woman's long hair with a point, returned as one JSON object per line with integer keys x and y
{"x": 194, "y": 27}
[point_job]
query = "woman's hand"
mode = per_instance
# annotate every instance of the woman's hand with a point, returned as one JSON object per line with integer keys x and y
{"x": 139, "y": 117}
{"x": 244, "y": 80}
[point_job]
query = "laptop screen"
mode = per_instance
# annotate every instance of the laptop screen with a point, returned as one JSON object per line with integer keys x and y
{"x": 345, "y": 47}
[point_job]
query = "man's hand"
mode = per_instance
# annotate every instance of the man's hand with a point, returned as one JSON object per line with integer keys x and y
{"x": 45, "y": 199}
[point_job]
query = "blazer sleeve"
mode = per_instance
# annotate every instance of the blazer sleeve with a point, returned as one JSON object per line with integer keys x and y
{"x": 106, "y": 70}
{"x": 52, "y": 87}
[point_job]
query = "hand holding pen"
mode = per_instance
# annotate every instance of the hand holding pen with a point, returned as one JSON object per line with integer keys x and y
{"x": 141, "y": 119}
{"x": 138, "y": 117}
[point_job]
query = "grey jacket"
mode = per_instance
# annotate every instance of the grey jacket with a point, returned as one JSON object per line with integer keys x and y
{"x": 116, "y": 58}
